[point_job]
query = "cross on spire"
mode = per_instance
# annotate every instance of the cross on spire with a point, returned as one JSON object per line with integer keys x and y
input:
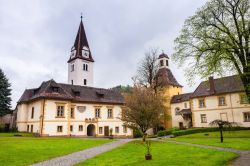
{"x": 81, "y": 15}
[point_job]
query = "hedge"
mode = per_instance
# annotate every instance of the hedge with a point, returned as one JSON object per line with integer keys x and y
{"x": 202, "y": 130}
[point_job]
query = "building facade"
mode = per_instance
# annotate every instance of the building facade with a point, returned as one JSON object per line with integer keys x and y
{"x": 222, "y": 98}
{"x": 76, "y": 108}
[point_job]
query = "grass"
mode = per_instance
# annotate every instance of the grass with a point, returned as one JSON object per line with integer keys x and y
{"x": 12, "y": 134}
{"x": 163, "y": 154}
{"x": 232, "y": 139}
{"x": 27, "y": 150}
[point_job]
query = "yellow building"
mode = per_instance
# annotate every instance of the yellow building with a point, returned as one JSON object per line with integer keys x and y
{"x": 222, "y": 98}
{"x": 169, "y": 84}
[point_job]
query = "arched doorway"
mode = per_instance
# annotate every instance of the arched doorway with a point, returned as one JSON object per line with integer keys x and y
{"x": 91, "y": 130}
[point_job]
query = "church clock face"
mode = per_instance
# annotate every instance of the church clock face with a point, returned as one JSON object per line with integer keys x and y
{"x": 85, "y": 52}
{"x": 72, "y": 54}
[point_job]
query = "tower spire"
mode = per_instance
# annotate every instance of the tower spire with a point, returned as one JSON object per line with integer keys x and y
{"x": 81, "y": 48}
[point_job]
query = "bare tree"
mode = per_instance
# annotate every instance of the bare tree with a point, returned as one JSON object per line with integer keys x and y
{"x": 144, "y": 110}
{"x": 148, "y": 69}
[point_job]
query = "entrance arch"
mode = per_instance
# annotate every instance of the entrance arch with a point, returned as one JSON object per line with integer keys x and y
{"x": 91, "y": 130}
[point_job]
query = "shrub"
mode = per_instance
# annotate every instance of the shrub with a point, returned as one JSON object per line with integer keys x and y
{"x": 137, "y": 133}
{"x": 164, "y": 133}
{"x": 202, "y": 130}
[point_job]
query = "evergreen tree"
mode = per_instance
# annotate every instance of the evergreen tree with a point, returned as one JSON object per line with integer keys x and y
{"x": 5, "y": 92}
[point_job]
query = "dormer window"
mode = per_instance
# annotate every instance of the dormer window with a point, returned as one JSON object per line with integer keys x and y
{"x": 55, "y": 89}
{"x": 100, "y": 94}
{"x": 76, "y": 93}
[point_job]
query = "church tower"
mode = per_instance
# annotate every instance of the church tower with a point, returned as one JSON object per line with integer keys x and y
{"x": 170, "y": 86}
{"x": 80, "y": 63}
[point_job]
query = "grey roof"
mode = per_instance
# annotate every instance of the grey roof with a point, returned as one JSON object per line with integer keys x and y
{"x": 181, "y": 98}
{"x": 222, "y": 85}
{"x": 166, "y": 77}
{"x": 73, "y": 93}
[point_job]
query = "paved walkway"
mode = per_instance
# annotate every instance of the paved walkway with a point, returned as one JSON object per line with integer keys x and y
{"x": 77, "y": 157}
{"x": 242, "y": 160}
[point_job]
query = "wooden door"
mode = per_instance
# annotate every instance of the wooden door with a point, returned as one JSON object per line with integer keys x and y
{"x": 106, "y": 131}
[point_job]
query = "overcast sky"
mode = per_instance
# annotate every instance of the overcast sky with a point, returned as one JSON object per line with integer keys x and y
{"x": 36, "y": 37}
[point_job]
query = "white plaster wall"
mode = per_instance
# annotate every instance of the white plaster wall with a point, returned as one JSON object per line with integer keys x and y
{"x": 78, "y": 75}
{"x": 176, "y": 119}
{"x": 233, "y": 109}
{"x": 24, "y": 116}
{"x": 51, "y": 121}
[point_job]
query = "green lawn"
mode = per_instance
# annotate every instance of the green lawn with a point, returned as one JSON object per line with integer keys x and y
{"x": 163, "y": 154}
{"x": 232, "y": 139}
{"x": 12, "y": 134}
{"x": 26, "y": 150}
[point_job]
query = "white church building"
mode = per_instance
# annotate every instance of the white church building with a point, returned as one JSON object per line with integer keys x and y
{"x": 76, "y": 108}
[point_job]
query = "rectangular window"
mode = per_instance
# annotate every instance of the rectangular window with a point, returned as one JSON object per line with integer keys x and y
{"x": 110, "y": 113}
{"x": 246, "y": 116}
{"x": 161, "y": 62}
{"x": 72, "y": 68}
{"x": 28, "y": 128}
{"x": 59, "y": 129}
{"x": 60, "y": 111}
{"x": 80, "y": 127}
{"x": 72, "y": 82}
{"x": 85, "y": 67}
{"x": 85, "y": 82}
{"x": 97, "y": 113}
{"x": 201, "y": 103}
{"x": 125, "y": 129}
{"x": 116, "y": 129}
{"x": 72, "y": 113}
{"x": 71, "y": 128}
{"x": 100, "y": 130}
{"x": 243, "y": 99}
{"x": 31, "y": 128}
{"x": 185, "y": 105}
{"x": 203, "y": 118}
{"x": 222, "y": 101}
{"x": 32, "y": 112}
{"x": 166, "y": 62}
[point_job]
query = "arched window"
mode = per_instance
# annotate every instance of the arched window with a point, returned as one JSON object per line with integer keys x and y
{"x": 177, "y": 110}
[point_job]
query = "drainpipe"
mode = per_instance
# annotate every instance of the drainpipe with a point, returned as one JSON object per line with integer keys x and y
{"x": 231, "y": 107}
{"x": 43, "y": 107}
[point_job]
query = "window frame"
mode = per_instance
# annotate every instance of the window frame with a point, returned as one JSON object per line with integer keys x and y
{"x": 72, "y": 115}
{"x": 98, "y": 113}
{"x": 243, "y": 96}
{"x": 32, "y": 112}
{"x": 117, "y": 129}
{"x": 60, "y": 113}
{"x": 84, "y": 81}
{"x": 71, "y": 128}
{"x": 125, "y": 129}
{"x": 61, "y": 129}
{"x": 80, "y": 128}
{"x": 72, "y": 67}
{"x": 204, "y": 103}
{"x": 110, "y": 112}
{"x": 203, "y": 118}
{"x": 222, "y": 104}
{"x": 246, "y": 119}
{"x": 100, "y": 130}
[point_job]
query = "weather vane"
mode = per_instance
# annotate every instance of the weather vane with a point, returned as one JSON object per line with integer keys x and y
{"x": 81, "y": 15}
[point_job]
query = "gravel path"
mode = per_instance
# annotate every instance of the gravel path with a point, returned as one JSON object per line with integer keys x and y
{"x": 242, "y": 160}
{"x": 77, "y": 157}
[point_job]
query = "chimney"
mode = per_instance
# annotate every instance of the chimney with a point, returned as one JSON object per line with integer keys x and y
{"x": 211, "y": 84}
